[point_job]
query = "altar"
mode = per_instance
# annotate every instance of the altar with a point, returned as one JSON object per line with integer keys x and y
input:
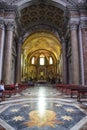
{"x": 41, "y": 81}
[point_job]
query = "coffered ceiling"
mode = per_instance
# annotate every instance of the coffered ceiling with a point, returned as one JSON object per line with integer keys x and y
{"x": 41, "y": 14}
{"x": 36, "y": 12}
{"x": 31, "y": 14}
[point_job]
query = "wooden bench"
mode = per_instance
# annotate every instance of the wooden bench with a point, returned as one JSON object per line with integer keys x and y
{"x": 64, "y": 87}
{"x": 4, "y": 94}
{"x": 81, "y": 94}
{"x": 72, "y": 89}
{"x": 11, "y": 89}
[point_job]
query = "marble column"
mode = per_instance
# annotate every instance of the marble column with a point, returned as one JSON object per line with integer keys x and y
{"x": 2, "y": 36}
{"x": 75, "y": 54}
{"x": 8, "y": 53}
{"x": 81, "y": 54}
{"x": 64, "y": 61}
{"x": 84, "y": 45}
{"x": 18, "y": 64}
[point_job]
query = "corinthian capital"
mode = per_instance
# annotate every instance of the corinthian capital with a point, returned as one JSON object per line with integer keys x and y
{"x": 10, "y": 25}
{"x": 83, "y": 24}
{"x": 73, "y": 26}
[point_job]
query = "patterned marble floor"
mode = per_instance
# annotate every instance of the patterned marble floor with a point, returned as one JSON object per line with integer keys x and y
{"x": 42, "y": 107}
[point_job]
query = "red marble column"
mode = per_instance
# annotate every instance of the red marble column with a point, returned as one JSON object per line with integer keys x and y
{"x": 2, "y": 36}
{"x": 8, "y": 53}
{"x": 18, "y": 64}
{"x": 75, "y": 54}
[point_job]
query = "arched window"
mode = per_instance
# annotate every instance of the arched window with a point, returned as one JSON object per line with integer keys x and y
{"x": 42, "y": 59}
{"x": 50, "y": 60}
{"x": 33, "y": 60}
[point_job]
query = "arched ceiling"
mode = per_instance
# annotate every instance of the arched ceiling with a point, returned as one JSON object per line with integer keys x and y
{"x": 21, "y": 2}
{"x": 41, "y": 13}
{"x": 42, "y": 41}
{"x": 32, "y": 13}
{"x": 62, "y": 2}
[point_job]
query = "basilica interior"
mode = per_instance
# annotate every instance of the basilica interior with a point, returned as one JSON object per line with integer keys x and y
{"x": 43, "y": 48}
{"x": 50, "y": 32}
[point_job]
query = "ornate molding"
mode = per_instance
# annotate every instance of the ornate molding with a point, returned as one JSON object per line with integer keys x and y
{"x": 10, "y": 26}
{"x": 73, "y": 26}
{"x": 4, "y": 5}
{"x": 83, "y": 24}
{"x": 82, "y": 1}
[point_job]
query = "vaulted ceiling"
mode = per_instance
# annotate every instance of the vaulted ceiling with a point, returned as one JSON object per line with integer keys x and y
{"x": 33, "y": 13}
{"x": 42, "y": 42}
{"x": 41, "y": 14}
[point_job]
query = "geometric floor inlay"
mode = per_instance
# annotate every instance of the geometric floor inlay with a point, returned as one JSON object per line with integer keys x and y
{"x": 42, "y": 116}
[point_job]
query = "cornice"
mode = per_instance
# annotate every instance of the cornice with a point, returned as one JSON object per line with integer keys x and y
{"x": 73, "y": 25}
{"x": 83, "y": 24}
{"x": 5, "y": 6}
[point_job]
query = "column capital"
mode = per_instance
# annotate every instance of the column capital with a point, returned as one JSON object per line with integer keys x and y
{"x": 83, "y": 24}
{"x": 10, "y": 26}
{"x": 73, "y": 26}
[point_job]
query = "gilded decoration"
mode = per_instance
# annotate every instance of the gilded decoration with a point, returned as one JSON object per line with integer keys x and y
{"x": 42, "y": 40}
{"x": 35, "y": 45}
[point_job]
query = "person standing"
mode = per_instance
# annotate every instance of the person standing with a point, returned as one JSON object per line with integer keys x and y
{"x": 2, "y": 86}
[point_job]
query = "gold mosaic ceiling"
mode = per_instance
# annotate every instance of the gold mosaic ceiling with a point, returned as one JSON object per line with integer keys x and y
{"x": 42, "y": 41}
{"x": 41, "y": 13}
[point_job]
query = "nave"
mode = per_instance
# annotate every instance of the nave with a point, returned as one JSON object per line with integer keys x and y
{"x": 42, "y": 107}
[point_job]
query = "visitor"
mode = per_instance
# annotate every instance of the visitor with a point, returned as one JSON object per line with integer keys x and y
{"x": 2, "y": 88}
{"x": 16, "y": 86}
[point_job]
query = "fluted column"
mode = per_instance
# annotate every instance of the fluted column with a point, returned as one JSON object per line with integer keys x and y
{"x": 18, "y": 64}
{"x": 8, "y": 53}
{"x": 2, "y": 36}
{"x": 75, "y": 53}
{"x": 64, "y": 61}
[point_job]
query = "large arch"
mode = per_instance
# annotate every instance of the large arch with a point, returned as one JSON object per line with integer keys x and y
{"x": 59, "y": 17}
{"x": 41, "y": 43}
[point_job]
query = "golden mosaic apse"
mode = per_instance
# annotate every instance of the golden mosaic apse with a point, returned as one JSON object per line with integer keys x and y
{"x": 47, "y": 118}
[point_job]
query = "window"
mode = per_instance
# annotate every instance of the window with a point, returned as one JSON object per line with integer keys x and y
{"x": 42, "y": 59}
{"x": 33, "y": 60}
{"x": 50, "y": 61}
